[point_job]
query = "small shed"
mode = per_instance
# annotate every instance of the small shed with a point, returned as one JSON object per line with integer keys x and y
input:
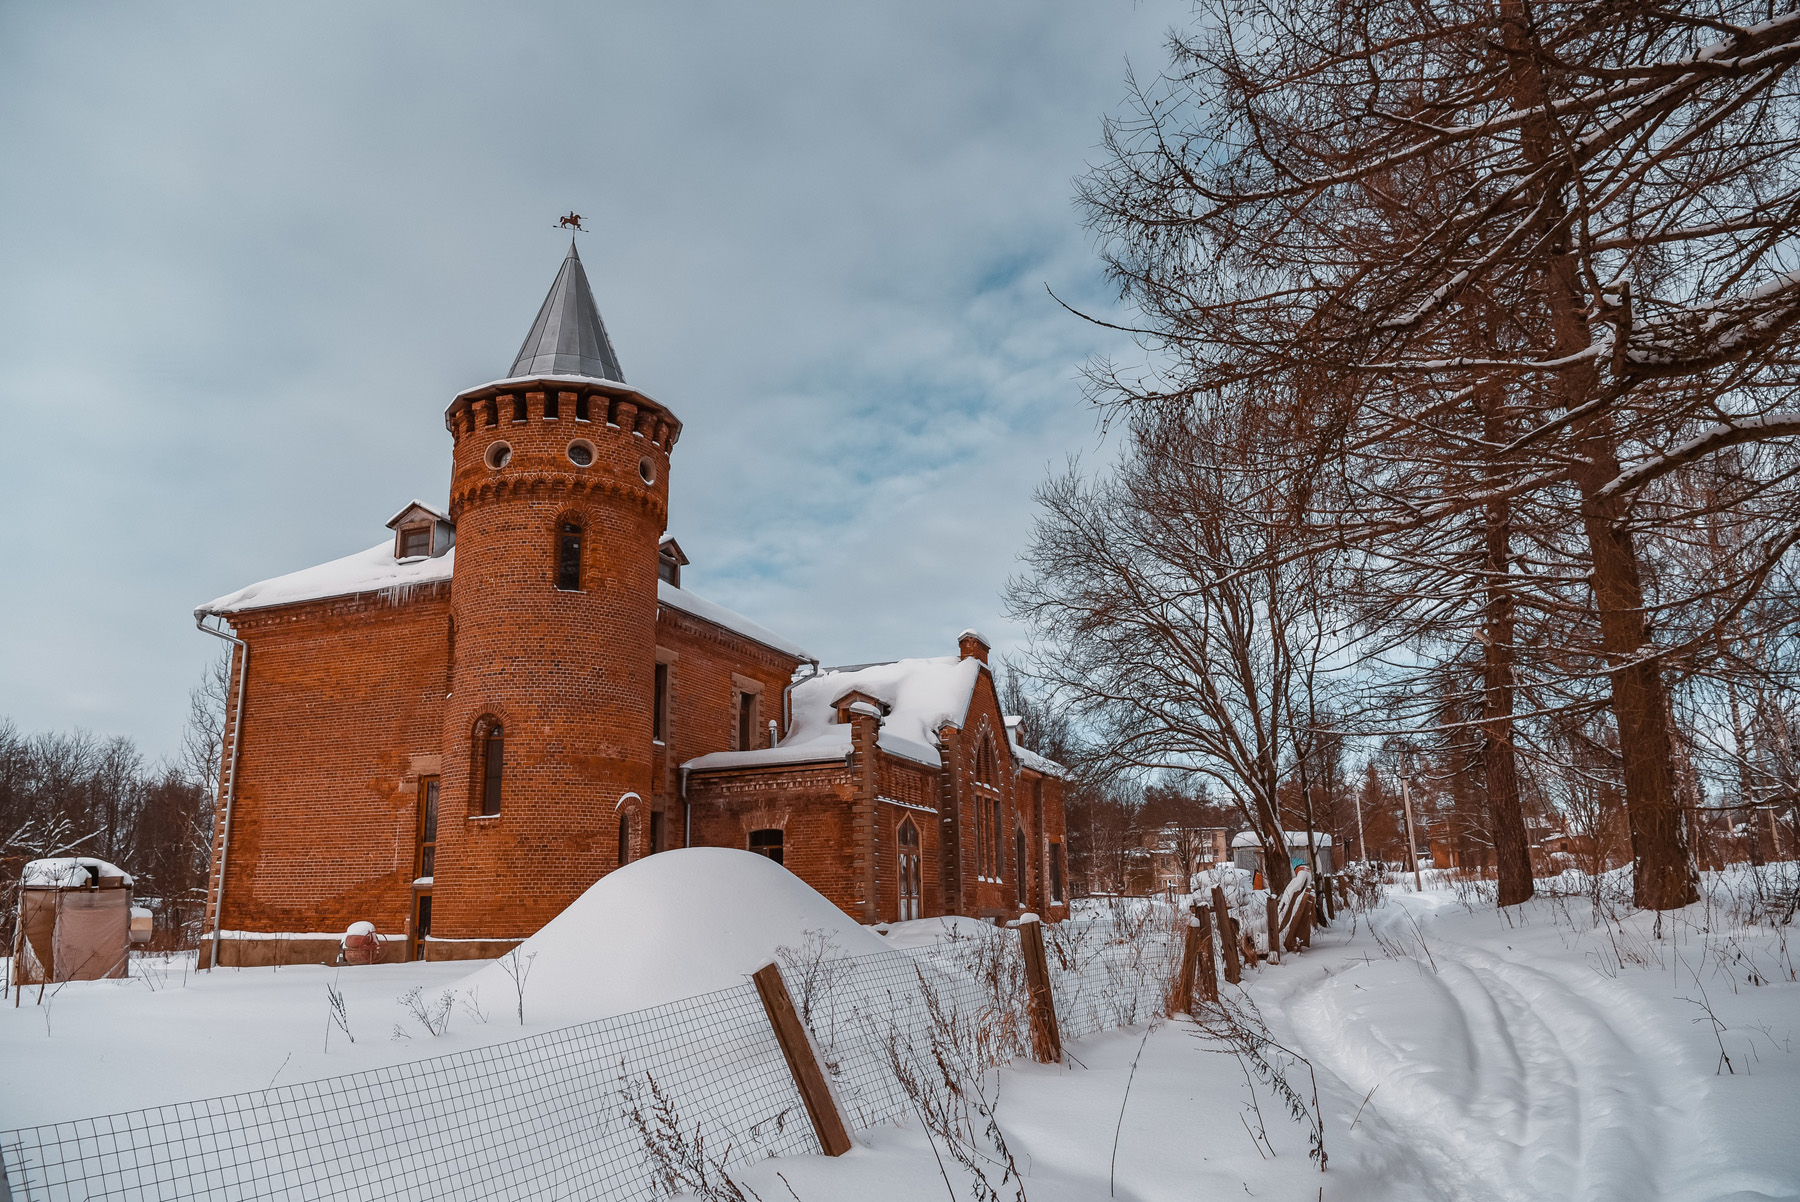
{"x": 1247, "y": 851}
{"x": 74, "y": 921}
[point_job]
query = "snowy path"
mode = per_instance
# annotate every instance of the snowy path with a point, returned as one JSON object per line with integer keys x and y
{"x": 1506, "y": 1073}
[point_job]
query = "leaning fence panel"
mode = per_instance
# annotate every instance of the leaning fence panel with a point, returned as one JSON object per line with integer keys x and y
{"x": 887, "y": 1012}
{"x": 550, "y": 1115}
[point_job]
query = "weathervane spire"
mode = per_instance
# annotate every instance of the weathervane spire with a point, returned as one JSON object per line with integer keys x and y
{"x": 568, "y": 338}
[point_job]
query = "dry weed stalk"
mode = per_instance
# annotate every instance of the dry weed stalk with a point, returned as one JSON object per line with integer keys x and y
{"x": 948, "y": 1082}
{"x": 1238, "y": 1027}
{"x": 434, "y": 1015}
{"x": 679, "y": 1160}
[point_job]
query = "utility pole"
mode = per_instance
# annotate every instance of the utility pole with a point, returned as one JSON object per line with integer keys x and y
{"x": 1412, "y": 840}
{"x": 1362, "y": 845}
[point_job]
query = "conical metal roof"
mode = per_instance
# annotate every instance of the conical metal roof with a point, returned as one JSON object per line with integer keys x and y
{"x": 568, "y": 338}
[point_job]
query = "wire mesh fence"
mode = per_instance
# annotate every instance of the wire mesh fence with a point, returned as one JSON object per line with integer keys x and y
{"x": 566, "y": 1113}
{"x": 1113, "y": 974}
{"x": 542, "y": 1117}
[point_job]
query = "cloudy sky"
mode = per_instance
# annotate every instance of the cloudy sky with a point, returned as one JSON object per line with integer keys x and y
{"x": 250, "y": 252}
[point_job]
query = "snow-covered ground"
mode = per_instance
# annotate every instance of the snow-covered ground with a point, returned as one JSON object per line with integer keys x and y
{"x": 1458, "y": 1053}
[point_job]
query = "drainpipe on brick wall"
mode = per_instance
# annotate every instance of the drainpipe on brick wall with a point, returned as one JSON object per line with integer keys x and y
{"x": 787, "y": 697}
{"x": 229, "y": 788}
{"x": 687, "y": 810}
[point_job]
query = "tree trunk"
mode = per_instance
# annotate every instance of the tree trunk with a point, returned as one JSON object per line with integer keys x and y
{"x": 1746, "y": 787}
{"x": 1499, "y": 767}
{"x": 1275, "y": 853}
{"x": 1663, "y": 875}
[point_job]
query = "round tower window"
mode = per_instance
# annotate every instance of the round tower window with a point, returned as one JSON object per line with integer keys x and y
{"x": 581, "y": 453}
{"x": 499, "y": 455}
{"x": 647, "y": 470}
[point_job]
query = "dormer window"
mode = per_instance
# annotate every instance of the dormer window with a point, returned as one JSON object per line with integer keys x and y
{"x": 670, "y": 561}
{"x": 420, "y": 531}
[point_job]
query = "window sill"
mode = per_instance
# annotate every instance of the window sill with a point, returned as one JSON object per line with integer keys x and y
{"x": 484, "y": 817}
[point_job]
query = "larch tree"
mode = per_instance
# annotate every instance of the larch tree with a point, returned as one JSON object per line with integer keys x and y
{"x": 1555, "y": 235}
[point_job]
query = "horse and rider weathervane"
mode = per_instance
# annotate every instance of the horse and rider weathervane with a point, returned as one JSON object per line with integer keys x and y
{"x": 571, "y": 222}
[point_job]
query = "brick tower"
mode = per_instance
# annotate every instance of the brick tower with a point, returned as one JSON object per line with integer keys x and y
{"x": 559, "y": 492}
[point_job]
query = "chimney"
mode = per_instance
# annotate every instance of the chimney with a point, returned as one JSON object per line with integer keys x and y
{"x": 865, "y": 735}
{"x": 970, "y": 645}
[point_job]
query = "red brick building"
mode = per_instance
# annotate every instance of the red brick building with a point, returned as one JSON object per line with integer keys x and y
{"x": 455, "y": 732}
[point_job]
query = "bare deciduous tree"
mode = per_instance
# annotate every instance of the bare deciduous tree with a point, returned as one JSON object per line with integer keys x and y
{"x": 1553, "y": 235}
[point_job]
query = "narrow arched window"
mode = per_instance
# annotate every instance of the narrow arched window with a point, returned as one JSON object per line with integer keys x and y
{"x": 568, "y": 556}
{"x": 987, "y": 811}
{"x": 984, "y": 762}
{"x": 493, "y": 762}
{"x": 1019, "y": 864}
{"x": 907, "y": 840}
{"x": 624, "y": 839}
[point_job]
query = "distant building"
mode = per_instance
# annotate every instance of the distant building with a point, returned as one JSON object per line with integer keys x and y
{"x": 1247, "y": 851}
{"x": 455, "y": 732}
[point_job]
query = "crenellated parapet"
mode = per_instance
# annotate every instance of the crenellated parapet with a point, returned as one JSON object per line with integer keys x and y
{"x": 549, "y": 437}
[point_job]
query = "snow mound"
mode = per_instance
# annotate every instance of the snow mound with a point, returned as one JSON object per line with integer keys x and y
{"x": 667, "y": 927}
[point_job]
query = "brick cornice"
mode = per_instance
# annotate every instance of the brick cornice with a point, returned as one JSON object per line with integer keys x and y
{"x": 552, "y": 486}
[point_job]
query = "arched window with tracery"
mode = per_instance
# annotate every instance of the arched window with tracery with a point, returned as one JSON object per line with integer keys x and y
{"x": 906, "y": 842}
{"x": 987, "y": 810}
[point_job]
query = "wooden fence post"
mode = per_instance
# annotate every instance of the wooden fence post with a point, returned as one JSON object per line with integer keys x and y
{"x": 1274, "y": 913}
{"x": 1209, "y": 972}
{"x": 790, "y": 1033}
{"x": 1227, "y": 936}
{"x": 1181, "y": 1001}
{"x": 1046, "y": 1036}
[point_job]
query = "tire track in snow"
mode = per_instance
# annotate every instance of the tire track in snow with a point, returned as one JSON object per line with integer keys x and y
{"x": 1505, "y": 1082}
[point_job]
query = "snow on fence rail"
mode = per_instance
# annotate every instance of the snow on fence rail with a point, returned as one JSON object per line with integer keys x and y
{"x": 552, "y": 1115}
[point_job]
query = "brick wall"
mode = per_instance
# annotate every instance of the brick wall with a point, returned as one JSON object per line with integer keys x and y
{"x": 343, "y": 711}
{"x": 816, "y": 808}
{"x": 707, "y": 670}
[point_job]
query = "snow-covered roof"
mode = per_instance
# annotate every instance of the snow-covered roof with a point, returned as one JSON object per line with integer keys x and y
{"x": 920, "y": 695}
{"x": 69, "y": 872}
{"x": 1028, "y": 758}
{"x": 709, "y": 611}
{"x": 413, "y": 504}
{"x": 365, "y": 572}
{"x": 376, "y": 569}
{"x": 1294, "y": 839}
